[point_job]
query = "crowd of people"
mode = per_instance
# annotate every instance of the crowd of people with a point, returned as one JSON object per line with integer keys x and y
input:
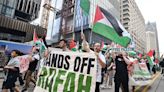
{"x": 113, "y": 68}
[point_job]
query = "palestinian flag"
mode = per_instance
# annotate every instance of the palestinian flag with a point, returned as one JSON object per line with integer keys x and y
{"x": 103, "y": 46}
{"x": 150, "y": 57}
{"x": 40, "y": 45}
{"x": 72, "y": 45}
{"x": 140, "y": 55}
{"x": 85, "y": 6}
{"x": 108, "y": 26}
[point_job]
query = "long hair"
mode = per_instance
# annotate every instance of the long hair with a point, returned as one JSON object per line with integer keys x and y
{"x": 19, "y": 53}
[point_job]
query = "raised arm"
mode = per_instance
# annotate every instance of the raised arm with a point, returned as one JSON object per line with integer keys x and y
{"x": 101, "y": 59}
{"x": 85, "y": 45}
{"x": 127, "y": 61}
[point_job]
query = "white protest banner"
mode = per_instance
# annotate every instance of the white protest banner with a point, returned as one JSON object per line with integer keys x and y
{"x": 121, "y": 49}
{"x": 68, "y": 72}
{"x": 24, "y": 63}
{"x": 140, "y": 75}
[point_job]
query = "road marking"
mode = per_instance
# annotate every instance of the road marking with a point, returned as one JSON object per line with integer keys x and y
{"x": 138, "y": 87}
{"x": 146, "y": 88}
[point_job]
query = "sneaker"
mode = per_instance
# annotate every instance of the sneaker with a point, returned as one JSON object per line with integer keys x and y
{"x": 102, "y": 86}
{"x": 109, "y": 86}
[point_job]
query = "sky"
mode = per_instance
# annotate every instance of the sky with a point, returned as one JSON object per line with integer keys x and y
{"x": 152, "y": 10}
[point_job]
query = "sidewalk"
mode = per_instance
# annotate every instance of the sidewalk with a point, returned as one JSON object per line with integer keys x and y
{"x": 30, "y": 89}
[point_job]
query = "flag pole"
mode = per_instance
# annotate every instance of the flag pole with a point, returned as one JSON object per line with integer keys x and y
{"x": 90, "y": 40}
{"x": 74, "y": 20}
{"x": 81, "y": 17}
{"x": 54, "y": 16}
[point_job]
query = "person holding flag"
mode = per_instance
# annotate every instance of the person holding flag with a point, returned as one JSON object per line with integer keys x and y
{"x": 150, "y": 58}
{"x": 32, "y": 68}
{"x": 101, "y": 62}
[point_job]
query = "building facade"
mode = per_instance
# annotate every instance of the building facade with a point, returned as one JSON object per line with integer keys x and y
{"x": 14, "y": 18}
{"x": 134, "y": 23}
{"x": 152, "y": 38}
{"x": 75, "y": 20}
{"x": 24, "y": 10}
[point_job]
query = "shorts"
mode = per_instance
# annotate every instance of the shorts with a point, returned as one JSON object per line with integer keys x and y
{"x": 9, "y": 82}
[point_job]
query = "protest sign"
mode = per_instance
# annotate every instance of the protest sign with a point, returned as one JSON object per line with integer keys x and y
{"x": 121, "y": 49}
{"x": 140, "y": 75}
{"x": 24, "y": 63}
{"x": 68, "y": 72}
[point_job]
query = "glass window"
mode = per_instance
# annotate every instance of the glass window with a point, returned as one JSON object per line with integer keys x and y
{"x": 3, "y": 9}
{"x": 8, "y": 11}
{"x": 9, "y": 2}
{"x": 0, "y": 8}
{"x": 1, "y": 1}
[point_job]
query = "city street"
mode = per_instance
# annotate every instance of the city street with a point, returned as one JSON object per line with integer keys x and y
{"x": 81, "y": 46}
{"x": 155, "y": 86}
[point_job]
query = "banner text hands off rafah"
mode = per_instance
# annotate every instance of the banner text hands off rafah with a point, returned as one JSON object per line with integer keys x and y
{"x": 68, "y": 72}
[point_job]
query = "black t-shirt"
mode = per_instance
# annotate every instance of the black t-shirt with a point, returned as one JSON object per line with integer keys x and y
{"x": 109, "y": 62}
{"x": 33, "y": 64}
{"x": 121, "y": 66}
{"x": 162, "y": 63}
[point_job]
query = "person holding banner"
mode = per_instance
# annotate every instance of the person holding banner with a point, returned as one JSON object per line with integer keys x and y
{"x": 101, "y": 63}
{"x": 121, "y": 76}
{"x": 63, "y": 45}
{"x": 12, "y": 69}
{"x": 32, "y": 67}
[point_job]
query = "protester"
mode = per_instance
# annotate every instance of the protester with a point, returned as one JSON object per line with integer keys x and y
{"x": 162, "y": 64}
{"x": 133, "y": 60}
{"x": 108, "y": 82}
{"x": 121, "y": 75}
{"x": 63, "y": 45}
{"x": 31, "y": 69}
{"x": 20, "y": 74}
{"x": 154, "y": 69}
{"x": 73, "y": 45}
{"x": 12, "y": 69}
{"x": 101, "y": 63}
{"x": 147, "y": 63}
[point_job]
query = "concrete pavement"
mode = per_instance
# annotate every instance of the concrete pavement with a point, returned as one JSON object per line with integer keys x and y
{"x": 155, "y": 86}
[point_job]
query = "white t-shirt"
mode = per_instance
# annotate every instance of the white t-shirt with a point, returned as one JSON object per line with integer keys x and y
{"x": 36, "y": 56}
{"x": 99, "y": 67}
{"x": 14, "y": 62}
